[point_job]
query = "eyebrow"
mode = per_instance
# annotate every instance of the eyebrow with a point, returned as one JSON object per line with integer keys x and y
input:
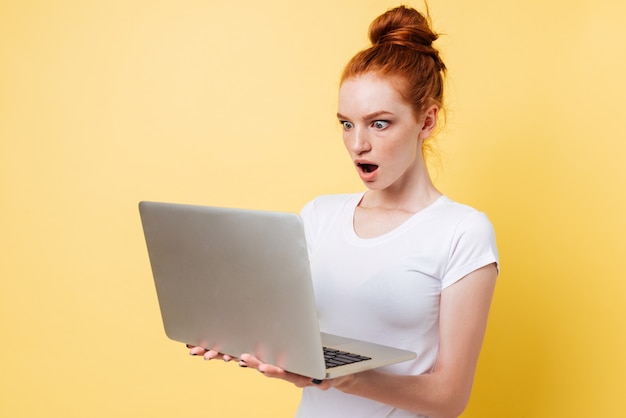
{"x": 367, "y": 117}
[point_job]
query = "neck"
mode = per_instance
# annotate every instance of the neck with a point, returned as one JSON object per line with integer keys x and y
{"x": 412, "y": 195}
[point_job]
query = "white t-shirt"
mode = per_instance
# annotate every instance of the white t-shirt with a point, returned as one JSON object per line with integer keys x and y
{"x": 387, "y": 289}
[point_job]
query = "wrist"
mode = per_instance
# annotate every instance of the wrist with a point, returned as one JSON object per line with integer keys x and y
{"x": 347, "y": 384}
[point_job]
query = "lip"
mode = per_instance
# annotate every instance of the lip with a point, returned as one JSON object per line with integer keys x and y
{"x": 365, "y": 170}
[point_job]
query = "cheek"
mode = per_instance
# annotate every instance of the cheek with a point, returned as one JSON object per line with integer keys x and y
{"x": 402, "y": 153}
{"x": 346, "y": 140}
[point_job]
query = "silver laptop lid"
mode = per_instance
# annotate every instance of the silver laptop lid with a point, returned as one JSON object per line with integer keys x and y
{"x": 236, "y": 281}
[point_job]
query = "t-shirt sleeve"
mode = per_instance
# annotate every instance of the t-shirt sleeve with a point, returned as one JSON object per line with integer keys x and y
{"x": 473, "y": 246}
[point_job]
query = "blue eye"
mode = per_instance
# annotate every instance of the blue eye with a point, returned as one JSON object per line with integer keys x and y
{"x": 380, "y": 124}
{"x": 346, "y": 125}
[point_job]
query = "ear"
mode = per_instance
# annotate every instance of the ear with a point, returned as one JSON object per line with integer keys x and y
{"x": 429, "y": 121}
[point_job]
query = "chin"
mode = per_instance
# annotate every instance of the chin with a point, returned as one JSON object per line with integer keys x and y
{"x": 374, "y": 185}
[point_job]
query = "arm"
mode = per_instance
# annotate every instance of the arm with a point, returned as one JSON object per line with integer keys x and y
{"x": 444, "y": 392}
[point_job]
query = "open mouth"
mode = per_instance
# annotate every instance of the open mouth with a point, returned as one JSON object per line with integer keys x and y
{"x": 368, "y": 168}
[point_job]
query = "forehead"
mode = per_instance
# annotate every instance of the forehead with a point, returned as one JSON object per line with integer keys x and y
{"x": 367, "y": 94}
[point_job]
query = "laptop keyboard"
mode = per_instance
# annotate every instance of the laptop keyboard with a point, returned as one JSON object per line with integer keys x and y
{"x": 336, "y": 358}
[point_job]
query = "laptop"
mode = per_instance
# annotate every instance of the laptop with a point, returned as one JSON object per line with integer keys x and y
{"x": 239, "y": 281}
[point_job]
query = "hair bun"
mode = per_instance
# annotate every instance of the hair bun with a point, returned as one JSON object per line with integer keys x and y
{"x": 407, "y": 28}
{"x": 408, "y": 36}
{"x": 402, "y": 48}
{"x": 401, "y": 26}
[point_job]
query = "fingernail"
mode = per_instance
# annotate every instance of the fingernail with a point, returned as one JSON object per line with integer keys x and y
{"x": 242, "y": 364}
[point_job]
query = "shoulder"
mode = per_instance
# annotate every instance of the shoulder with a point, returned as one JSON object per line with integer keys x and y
{"x": 455, "y": 208}
{"x": 472, "y": 240}
{"x": 461, "y": 217}
{"x": 328, "y": 205}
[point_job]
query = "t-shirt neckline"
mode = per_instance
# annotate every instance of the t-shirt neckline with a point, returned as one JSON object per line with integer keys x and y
{"x": 354, "y": 237}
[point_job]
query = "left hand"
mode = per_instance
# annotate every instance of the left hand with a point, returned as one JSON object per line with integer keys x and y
{"x": 269, "y": 370}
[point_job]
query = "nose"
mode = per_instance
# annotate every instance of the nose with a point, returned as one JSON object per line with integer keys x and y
{"x": 357, "y": 141}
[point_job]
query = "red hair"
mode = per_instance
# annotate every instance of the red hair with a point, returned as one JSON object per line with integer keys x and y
{"x": 402, "y": 50}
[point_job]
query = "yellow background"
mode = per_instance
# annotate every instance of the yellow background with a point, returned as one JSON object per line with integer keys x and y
{"x": 105, "y": 103}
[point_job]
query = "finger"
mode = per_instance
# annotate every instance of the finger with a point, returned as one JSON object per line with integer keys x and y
{"x": 248, "y": 360}
{"x": 329, "y": 383}
{"x": 211, "y": 354}
{"x": 197, "y": 351}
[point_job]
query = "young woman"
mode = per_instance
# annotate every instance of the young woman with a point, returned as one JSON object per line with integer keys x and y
{"x": 399, "y": 264}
